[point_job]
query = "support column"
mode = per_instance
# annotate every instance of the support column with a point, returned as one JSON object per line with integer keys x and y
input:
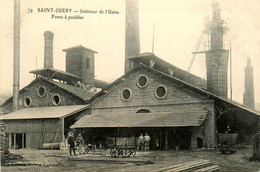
{"x": 166, "y": 139}
{"x": 10, "y": 140}
{"x": 23, "y": 140}
{"x": 14, "y": 141}
{"x": 62, "y": 129}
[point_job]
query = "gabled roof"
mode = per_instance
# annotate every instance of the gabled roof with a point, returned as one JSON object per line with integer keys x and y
{"x": 164, "y": 67}
{"x": 75, "y": 91}
{"x": 182, "y": 83}
{"x": 45, "y": 112}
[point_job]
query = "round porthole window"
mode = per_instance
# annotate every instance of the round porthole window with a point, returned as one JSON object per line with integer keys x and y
{"x": 41, "y": 91}
{"x": 27, "y": 101}
{"x": 56, "y": 99}
{"x": 126, "y": 94}
{"x": 142, "y": 81}
{"x": 160, "y": 92}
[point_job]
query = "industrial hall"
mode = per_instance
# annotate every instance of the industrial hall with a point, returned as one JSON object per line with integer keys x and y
{"x": 177, "y": 109}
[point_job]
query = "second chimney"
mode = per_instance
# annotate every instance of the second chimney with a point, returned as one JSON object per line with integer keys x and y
{"x": 48, "y": 49}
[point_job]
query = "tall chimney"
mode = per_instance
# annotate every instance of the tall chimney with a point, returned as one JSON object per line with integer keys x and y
{"x": 249, "y": 94}
{"x": 16, "y": 62}
{"x": 132, "y": 42}
{"x": 217, "y": 57}
{"x": 48, "y": 49}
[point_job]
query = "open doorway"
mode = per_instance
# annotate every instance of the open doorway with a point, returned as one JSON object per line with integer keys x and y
{"x": 17, "y": 140}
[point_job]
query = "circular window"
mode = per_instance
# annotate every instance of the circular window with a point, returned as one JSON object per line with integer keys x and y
{"x": 27, "y": 101}
{"x": 41, "y": 91}
{"x": 142, "y": 81}
{"x": 126, "y": 94}
{"x": 160, "y": 92}
{"x": 56, "y": 99}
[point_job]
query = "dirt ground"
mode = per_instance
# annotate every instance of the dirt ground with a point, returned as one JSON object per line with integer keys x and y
{"x": 60, "y": 160}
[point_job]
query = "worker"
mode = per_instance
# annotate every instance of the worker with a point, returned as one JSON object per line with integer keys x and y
{"x": 80, "y": 144}
{"x": 72, "y": 143}
{"x": 140, "y": 142}
{"x": 146, "y": 141}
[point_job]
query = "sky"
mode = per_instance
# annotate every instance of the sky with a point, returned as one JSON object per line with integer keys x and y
{"x": 178, "y": 25}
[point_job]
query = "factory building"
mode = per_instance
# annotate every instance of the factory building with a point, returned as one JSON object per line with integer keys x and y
{"x": 51, "y": 103}
{"x": 179, "y": 110}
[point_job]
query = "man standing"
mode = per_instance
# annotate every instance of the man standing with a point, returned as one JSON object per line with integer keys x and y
{"x": 80, "y": 143}
{"x": 71, "y": 142}
{"x": 141, "y": 142}
{"x": 146, "y": 141}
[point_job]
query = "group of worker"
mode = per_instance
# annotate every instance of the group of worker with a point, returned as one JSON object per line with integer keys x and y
{"x": 79, "y": 141}
{"x": 143, "y": 142}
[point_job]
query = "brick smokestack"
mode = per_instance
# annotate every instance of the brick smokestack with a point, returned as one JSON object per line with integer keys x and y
{"x": 249, "y": 94}
{"x": 16, "y": 62}
{"x": 48, "y": 49}
{"x": 132, "y": 42}
{"x": 217, "y": 57}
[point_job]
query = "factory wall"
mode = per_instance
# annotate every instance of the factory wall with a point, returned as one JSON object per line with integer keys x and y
{"x": 177, "y": 99}
{"x": 37, "y": 131}
{"x": 34, "y": 98}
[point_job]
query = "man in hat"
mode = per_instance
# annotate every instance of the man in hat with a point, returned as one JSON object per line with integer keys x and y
{"x": 80, "y": 144}
{"x": 72, "y": 143}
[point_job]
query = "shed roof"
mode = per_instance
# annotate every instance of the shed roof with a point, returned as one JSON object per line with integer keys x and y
{"x": 141, "y": 120}
{"x": 80, "y": 92}
{"x": 56, "y": 74}
{"x": 44, "y": 112}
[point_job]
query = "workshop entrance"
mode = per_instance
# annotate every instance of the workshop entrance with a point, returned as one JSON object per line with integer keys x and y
{"x": 17, "y": 140}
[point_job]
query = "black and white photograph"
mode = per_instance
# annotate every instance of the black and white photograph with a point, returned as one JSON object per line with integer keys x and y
{"x": 129, "y": 85}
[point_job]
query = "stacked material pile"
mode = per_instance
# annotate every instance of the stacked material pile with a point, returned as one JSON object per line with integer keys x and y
{"x": 3, "y": 143}
{"x": 3, "y": 140}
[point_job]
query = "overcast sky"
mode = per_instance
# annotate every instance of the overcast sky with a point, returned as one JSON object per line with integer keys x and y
{"x": 178, "y": 26}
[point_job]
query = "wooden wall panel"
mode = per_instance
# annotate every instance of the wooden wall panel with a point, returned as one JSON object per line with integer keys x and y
{"x": 34, "y": 130}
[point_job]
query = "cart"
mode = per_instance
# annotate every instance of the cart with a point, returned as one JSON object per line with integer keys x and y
{"x": 227, "y": 142}
{"x": 122, "y": 146}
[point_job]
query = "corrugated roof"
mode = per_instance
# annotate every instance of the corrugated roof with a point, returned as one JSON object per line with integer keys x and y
{"x": 142, "y": 120}
{"x": 44, "y": 112}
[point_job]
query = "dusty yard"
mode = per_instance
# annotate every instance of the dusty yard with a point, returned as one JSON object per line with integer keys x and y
{"x": 59, "y": 160}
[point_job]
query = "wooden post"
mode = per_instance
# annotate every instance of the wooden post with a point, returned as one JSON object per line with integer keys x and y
{"x": 10, "y": 140}
{"x": 166, "y": 139}
{"x": 23, "y": 140}
{"x": 14, "y": 141}
{"x": 62, "y": 130}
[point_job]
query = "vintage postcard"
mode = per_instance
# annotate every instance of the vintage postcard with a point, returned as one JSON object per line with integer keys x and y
{"x": 129, "y": 85}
